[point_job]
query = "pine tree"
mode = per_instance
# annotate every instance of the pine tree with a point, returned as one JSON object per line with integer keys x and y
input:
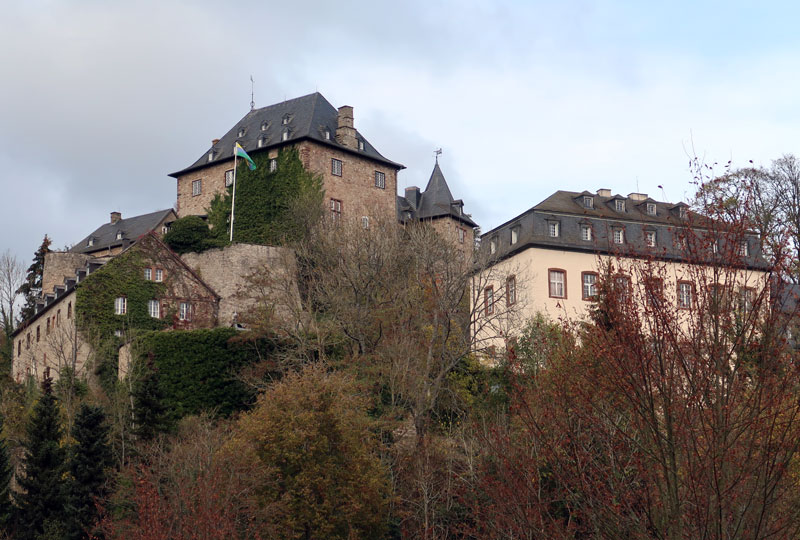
{"x": 6, "y": 471}
{"x": 43, "y": 496}
{"x": 91, "y": 456}
{"x": 32, "y": 288}
{"x": 149, "y": 413}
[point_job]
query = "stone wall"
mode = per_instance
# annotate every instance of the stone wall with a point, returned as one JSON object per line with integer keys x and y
{"x": 226, "y": 271}
{"x": 60, "y": 265}
{"x": 449, "y": 229}
{"x": 213, "y": 182}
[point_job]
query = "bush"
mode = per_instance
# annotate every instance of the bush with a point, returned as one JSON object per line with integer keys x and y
{"x": 191, "y": 234}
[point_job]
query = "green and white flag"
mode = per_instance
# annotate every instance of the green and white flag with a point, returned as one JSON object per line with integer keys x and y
{"x": 239, "y": 151}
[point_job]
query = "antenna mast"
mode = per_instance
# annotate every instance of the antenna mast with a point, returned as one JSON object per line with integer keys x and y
{"x": 252, "y": 93}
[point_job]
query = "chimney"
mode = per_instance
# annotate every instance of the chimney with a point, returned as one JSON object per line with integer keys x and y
{"x": 214, "y": 142}
{"x": 115, "y": 216}
{"x": 603, "y": 192}
{"x": 412, "y": 196}
{"x": 345, "y": 132}
{"x": 637, "y": 196}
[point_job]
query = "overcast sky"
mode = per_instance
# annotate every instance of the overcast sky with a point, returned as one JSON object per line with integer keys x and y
{"x": 100, "y": 100}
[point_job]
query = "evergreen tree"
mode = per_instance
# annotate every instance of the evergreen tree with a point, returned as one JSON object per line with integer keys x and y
{"x": 91, "y": 456}
{"x": 32, "y": 288}
{"x": 149, "y": 412}
{"x": 43, "y": 496}
{"x": 6, "y": 471}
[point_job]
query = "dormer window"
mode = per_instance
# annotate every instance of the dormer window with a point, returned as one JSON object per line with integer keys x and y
{"x": 683, "y": 213}
{"x": 264, "y": 126}
{"x": 90, "y": 242}
{"x": 327, "y": 134}
{"x": 588, "y": 202}
{"x": 360, "y": 144}
{"x": 493, "y": 246}
{"x": 211, "y": 156}
{"x": 242, "y": 131}
{"x": 619, "y": 205}
{"x": 650, "y": 238}
{"x": 285, "y": 135}
{"x": 744, "y": 249}
{"x": 553, "y": 229}
{"x": 262, "y": 142}
{"x": 285, "y": 120}
{"x": 651, "y": 209}
{"x": 514, "y": 235}
{"x": 119, "y": 235}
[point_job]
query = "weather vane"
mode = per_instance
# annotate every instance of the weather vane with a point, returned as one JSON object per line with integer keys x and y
{"x": 437, "y": 153}
{"x": 252, "y": 93}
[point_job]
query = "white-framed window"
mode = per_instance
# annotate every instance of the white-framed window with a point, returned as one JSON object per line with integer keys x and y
{"x": 744, "y": 249}
{"x": 683, "y": 212}
{"x": 229, "y": 178}
{"x": 327, "y": 134}
{"x": 651, "y": 208}
{"x": 273, "y": 165}
{"x": 714, "y": 247}
{"x": 336, "y": 167}
{"x": 242, "y": 131}
{"x": 650, "y": 238}
{"x": 619, "y": 205}
{"x": 118, "y": 333}
{"x": 746, "y": 299}
{"x": 159, "y": 275}
{"x": 588, "y": 202}
{"x": 586, "y": 233}
{"x": 164, "y": 229}
{"x": 154, "y": 308}
{"x": 197, "y": 187}
{"x": 461, "y": 233}
{"x": 90, "y": 242}
{"x": 360, "y": 144}
{"x": 558, "y": 283}
{"x": 148, "y": 274}
{"x": 285, "y": 135}
{"x": 514, "y": 235}
{"x": 493, "y": 246}
{"x": 336, "y": 210}
{"x": 120, "y": 305}
{"x": 120, "y": 234}
{"x": 285, "y": 120}
{"x": 553, "y": 228}
{"x": 511, "y": 290}
{"x": 619, "y": 235}
{"x": 488, "y": 300}
{"x": 185, "y": 311}
{"x": 264, "y": 126}
{"x": 380, "y": 180}
{"x": 211, "y": 156}
{"x": 685, "y": 290}
{"x": 262, "y": 142}
{"x": 589, "y": 284}
{"x": 365, "y": 222}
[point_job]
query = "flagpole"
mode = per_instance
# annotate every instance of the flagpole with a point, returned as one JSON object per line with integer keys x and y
{"x": 233, "y": 199}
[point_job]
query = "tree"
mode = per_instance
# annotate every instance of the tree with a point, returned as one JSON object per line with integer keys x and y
{"x": 150, "y": 415}
{"x": 190, "y": 234}
{"x": 6, "y": 472}
{"x": 12, "y": 277}
{"x": 91, "y": 456}
{"x": 31, "y": 289}
{"x": 42, "y": 499}
{"x": 318, "y": 475}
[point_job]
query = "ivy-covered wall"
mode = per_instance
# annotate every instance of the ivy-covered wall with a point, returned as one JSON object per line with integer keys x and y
{"x": 196, "y": 370}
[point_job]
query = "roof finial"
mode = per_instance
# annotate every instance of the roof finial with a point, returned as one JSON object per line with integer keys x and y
{"x": 252, "y": 93}
{"x": 437, "y": 153}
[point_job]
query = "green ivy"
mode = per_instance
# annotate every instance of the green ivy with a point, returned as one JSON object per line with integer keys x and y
{"x": 191, "y": 234}
{"x": 94, "y": 309}
{"x": 268, "y": 202}
{"x": 196, "y": 369}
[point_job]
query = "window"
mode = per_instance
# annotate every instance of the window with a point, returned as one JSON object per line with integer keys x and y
{"x": 273, "y": 165}
{"x": 586, "y": 233}
{"x": 185, "y": 312}
{"x": 380, "y": 180}
{"x": 164, "y": 229}
{"x": 211, "y": 156}
{"x": 683, "y": 213}
{"x": 28, "y": 342}
{"x": 651, "y": 208}
{"x": 365, "y": 222}
{"x": 47, "y": 326}
{"x": 38, "y": 333}
{"x": 588, "y": 202}
{"x": 746, "y": 299}
{"x": 19, "y": 347}
{"x": 650, "y": 238}
{"x": 327, "y": 134}
{"x": 493, "y": 245}
{"x": 285, "y": 135}
{"x": 69, "y": 310}
{"x": 714, "y": 247}
{"x": 58, "y": 318}
{"x": 264, "y": 126}
{"x": 558, "y": 283}
{"x": 552, "y": 228}
{"x": 336, "y": 167}
{"x": 262, "y": 142}
{"x": 619, "y": 205}
{"x": 336, "y": 210}
{"x": 229, "y": 178}
{"x": 90, "y": 242}
{"x": 120, "y": 305}
{"x": 148, "y": 274}
{"x": 285, "y": 120}
{"x": 488, "y": 300}
{"x": 119, "y": 235}
{"x": 461, "y": 234}
{"x": 685, "y": 290}
{"x": 197, "y": 187}
{"x": 744, "y": 250}
{"x": 514, "y": 235}
{"x": 242, "y": 131}
{"x": 589, "y": 289}
{"x": 619, "y": 236}
{"x": 154, "y": 308}
{"x": 118, "y": 333}
{"x": 360, "y": 144}
{"x": 159, "y": 275}
{"x": 511, "y": 290}
{"x": 654, "y": 291}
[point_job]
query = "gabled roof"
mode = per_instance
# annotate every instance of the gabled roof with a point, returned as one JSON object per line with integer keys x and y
{"x": 308, "y": 117}
{"x": 436, "y": 201}
{"x": 105, "y": 236}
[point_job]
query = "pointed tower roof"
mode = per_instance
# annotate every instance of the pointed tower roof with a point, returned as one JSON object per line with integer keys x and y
{"x": 436, "y": 201}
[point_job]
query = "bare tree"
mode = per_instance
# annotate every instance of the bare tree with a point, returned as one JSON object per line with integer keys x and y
{"x": 12, "y": 276}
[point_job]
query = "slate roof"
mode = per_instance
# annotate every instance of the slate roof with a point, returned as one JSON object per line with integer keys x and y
{"x": 435, "y": 201}
{"x": 308, "y": 117}
{"x": 132, "y": 228}
{"x": 568, "y": 210}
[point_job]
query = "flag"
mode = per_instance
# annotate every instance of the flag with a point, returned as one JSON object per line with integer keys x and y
{"x": 239, "y": 151}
